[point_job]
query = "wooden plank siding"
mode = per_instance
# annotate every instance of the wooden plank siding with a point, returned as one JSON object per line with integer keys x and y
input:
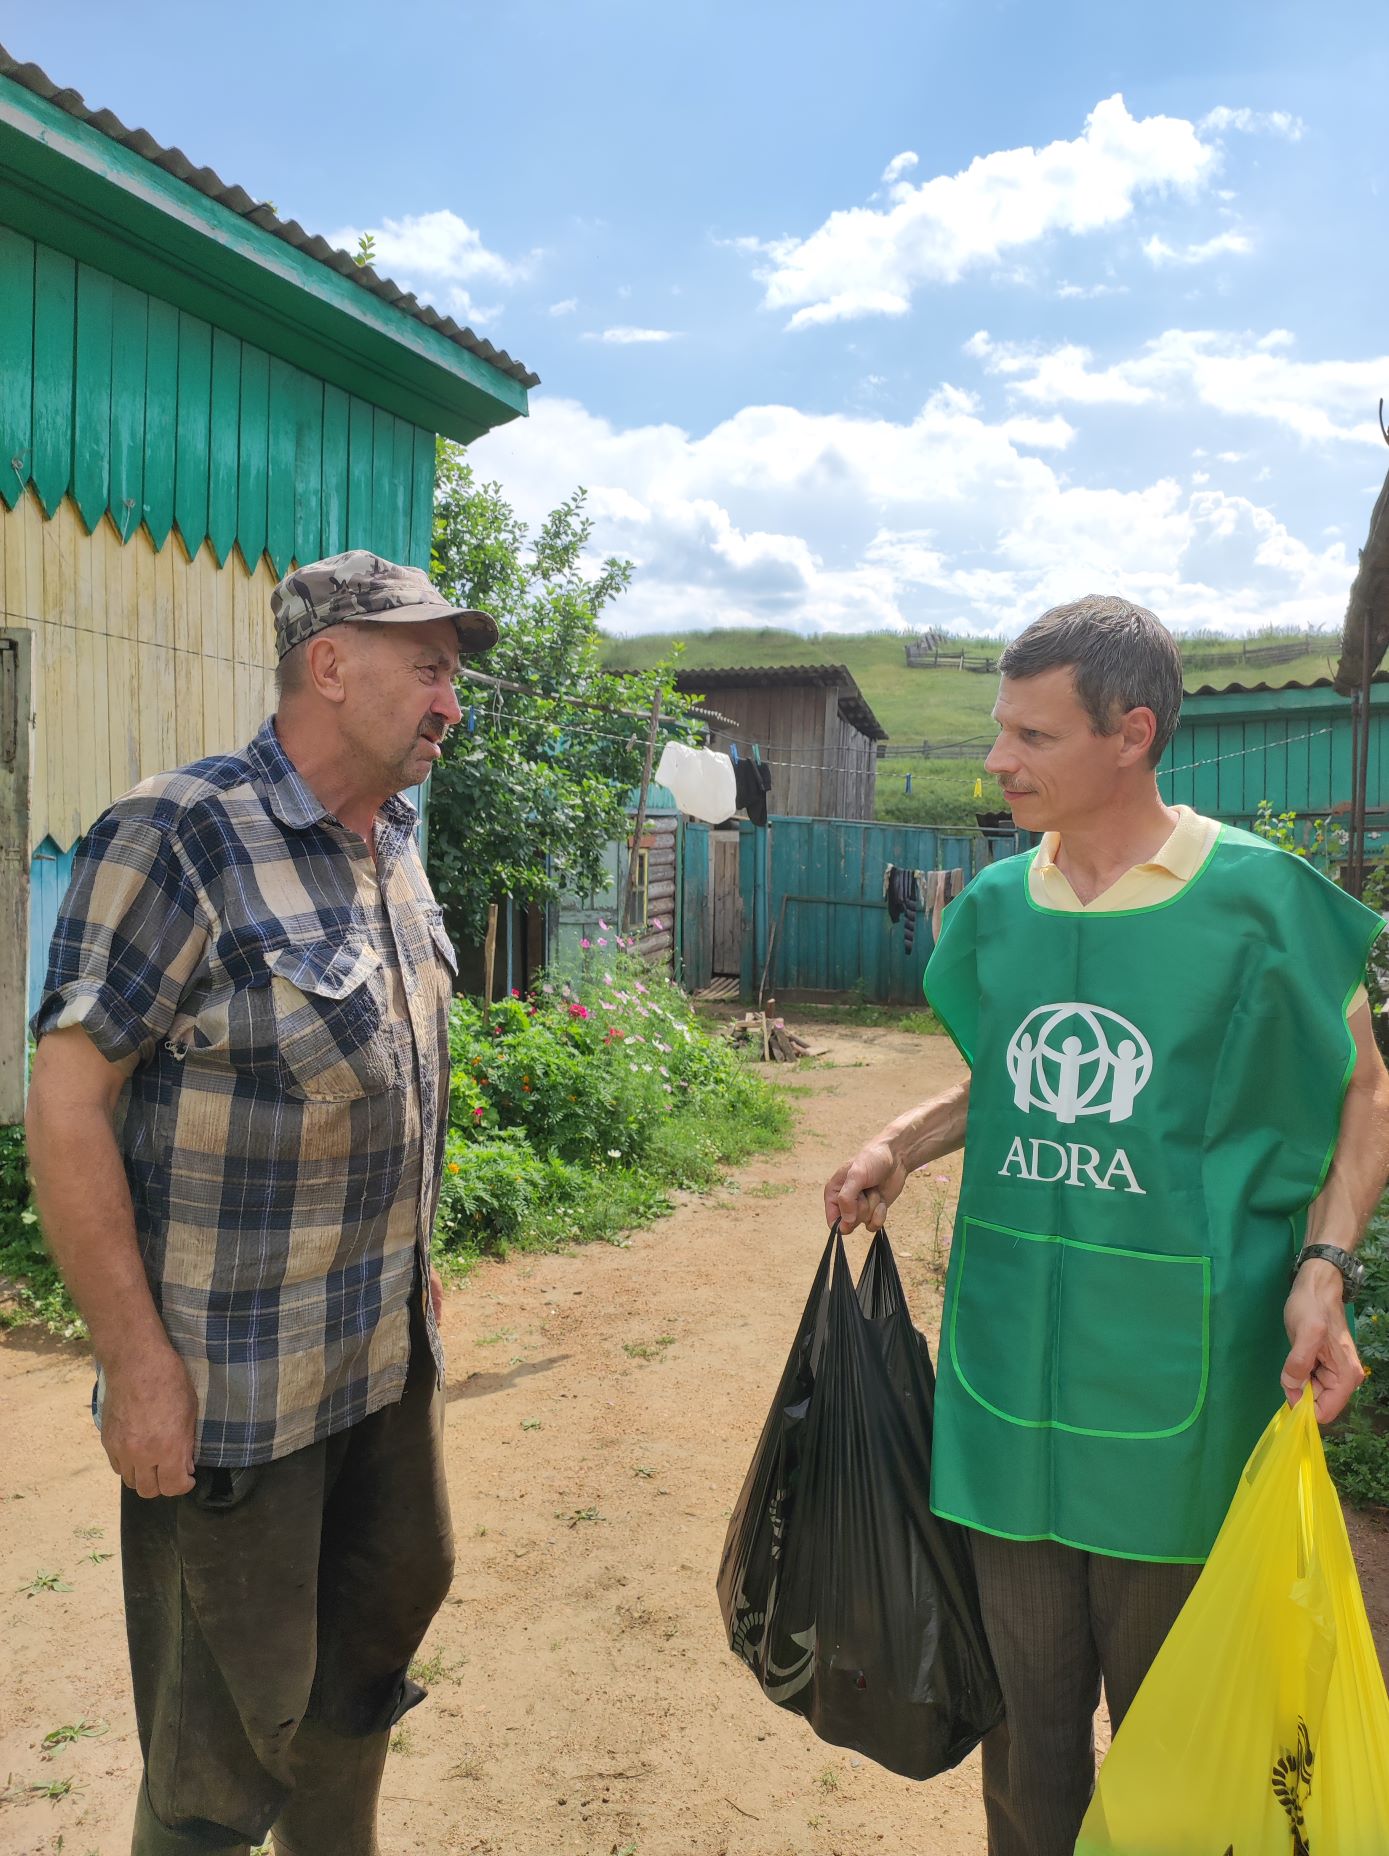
{"x": 142, "y": 661}
{"x": 157, "y": 419}
{"x": 1291, "y": 746}
{"x": 821, "y": 765}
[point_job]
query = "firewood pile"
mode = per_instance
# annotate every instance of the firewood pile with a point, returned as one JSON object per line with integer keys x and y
{"x": 770, "y": 1038}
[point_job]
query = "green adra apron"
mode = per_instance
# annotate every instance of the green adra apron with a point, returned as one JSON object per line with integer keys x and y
{"x": 1155, "y": 1099}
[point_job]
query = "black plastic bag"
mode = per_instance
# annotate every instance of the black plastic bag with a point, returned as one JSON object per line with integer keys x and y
{"x": 851, "y": 1602}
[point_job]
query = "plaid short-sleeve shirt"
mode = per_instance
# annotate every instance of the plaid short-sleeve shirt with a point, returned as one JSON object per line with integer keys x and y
{"x": 287, "y": 996}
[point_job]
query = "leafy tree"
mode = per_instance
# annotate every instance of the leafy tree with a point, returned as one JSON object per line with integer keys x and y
{"x": 532, "y": 786}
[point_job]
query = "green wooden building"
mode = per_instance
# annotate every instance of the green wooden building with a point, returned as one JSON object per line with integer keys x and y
{"x": 194, "y": 394}
{"x": 1291, "y": 745}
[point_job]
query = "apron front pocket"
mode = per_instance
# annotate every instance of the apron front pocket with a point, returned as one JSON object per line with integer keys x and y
{"x": 1056, "y": 1333}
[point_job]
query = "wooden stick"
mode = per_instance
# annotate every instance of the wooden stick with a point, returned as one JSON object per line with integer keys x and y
{"x": 489, "y": 956}
{"x": 633, "y": 862}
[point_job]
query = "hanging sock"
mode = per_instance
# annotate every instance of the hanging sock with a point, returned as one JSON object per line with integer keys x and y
{"x": 751, "y": 783}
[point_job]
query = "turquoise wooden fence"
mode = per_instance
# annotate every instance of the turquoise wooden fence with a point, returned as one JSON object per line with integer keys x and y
{"x": 814, "y": 915}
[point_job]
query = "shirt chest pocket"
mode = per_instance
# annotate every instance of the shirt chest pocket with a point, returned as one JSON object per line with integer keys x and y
{"x": 330, "y": 1021}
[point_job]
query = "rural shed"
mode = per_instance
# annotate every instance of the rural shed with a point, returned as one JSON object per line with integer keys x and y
{"x": 1241, "y": 744}
{"x": 194, "y": 394}
{"x": 809, "y": 723}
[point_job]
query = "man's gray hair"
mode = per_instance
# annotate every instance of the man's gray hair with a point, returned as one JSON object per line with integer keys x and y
{"x": 1123, "y": 658}
{"x": 292, "y": 671}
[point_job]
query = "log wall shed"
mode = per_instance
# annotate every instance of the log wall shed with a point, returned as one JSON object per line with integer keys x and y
{"x": 194, "y": 394}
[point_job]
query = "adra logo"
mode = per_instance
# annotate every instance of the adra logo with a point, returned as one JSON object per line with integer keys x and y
{"x": 1073, "y": 1060}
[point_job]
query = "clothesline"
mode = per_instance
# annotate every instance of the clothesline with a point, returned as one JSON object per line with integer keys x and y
{"x": 1263, "y": 747}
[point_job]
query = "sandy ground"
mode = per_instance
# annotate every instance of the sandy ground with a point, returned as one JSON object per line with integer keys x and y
{"x": 603, "y": 1410}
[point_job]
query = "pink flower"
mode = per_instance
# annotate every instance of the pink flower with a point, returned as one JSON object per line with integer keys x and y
{"x": 656, "y": 922}
{"x": 602, "y": 940}
{"x": 477, "y": 1114}
{"x": 578, "y": 1011}
{"x": 601, "y": 922}
{"x": 585, "y": 942}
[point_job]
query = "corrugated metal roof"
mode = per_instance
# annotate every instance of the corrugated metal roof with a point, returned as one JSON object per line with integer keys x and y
{"x": 852, "y": 704}
{"x": 1273, "y": 689}
{"x": 260, "y": 213}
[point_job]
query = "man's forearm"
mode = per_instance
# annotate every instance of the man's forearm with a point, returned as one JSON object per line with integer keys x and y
{"x": 84, "y": 1207}
{"x": 931, "y": 1130}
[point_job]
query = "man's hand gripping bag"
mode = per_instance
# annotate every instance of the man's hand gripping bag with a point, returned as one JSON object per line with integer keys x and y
{"x": 849, "y": 1600}
{"x": 1263, "y": 1727}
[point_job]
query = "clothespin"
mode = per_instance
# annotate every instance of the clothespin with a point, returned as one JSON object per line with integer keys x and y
{"x": 757, "y": 753}
{"x": 733, "y": 752}
{"x": 472, "y": 720}
{"x": 978, "y": 789}
{"x": 909, "y": 782}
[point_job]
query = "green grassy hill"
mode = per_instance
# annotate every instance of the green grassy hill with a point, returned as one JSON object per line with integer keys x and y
{"x": 932, "y": 705}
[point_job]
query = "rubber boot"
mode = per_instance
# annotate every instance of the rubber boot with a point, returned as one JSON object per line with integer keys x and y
{"x": 337, "y": 1782}
{"x": 153, "y": 1838}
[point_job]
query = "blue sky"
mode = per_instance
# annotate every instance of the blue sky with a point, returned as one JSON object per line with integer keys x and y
{"x": 930, "y": 314}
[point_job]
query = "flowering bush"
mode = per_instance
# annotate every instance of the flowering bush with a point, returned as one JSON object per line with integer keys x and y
{"x": 605, "y": 1085}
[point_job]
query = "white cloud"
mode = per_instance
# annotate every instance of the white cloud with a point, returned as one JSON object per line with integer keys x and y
{"x": 566, "y": 308}
{"x": 626, "y": 337}
{"x": 1253, "y": 122}
{"x": 898, "y": 166}
{"x": 437, "y": 255}
{"x": 1232, "y": 244}
{"x": 868, "y": 260}
{"x": 855, "y": 522}
{"x": 1057, "y": 376}
{"x": 1088, "y": 292}
{"x": 1243, "y": 376}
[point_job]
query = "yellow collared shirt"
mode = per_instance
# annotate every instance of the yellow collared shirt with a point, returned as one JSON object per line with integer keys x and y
{"x": 1166, "y": 873}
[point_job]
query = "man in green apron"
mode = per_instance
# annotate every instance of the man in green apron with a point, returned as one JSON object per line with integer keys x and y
{"x": 1176, "y": 1125}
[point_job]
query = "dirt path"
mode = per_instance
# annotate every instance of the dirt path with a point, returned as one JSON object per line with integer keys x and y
{"x": 604, "y": 1407}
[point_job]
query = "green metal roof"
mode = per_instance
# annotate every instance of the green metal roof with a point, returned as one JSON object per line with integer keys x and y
{"x": 83, "y": 184}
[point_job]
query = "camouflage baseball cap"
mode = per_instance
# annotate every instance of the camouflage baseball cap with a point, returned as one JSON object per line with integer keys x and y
{"x": 360, "y": 585}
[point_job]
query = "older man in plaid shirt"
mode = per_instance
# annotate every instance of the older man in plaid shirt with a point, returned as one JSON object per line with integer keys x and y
{"x": 236, "y": 1127}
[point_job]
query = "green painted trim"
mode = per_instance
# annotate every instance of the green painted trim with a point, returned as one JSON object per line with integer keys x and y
{"x": 55, "y": 330}
{"x": 1113, "y": 1250}
{"x": 91, "y": 411}
{"x": 129, "y": 357}
{"x": 224, "y": 446}
{"x": 161, "y": 420}
{"x": 1081, "y": 1546}
{"x": 1091, "y": 913}
{"x": 333, "y": 511}
{"x": 152, "y": 415}
{"x": 254, "y": 455}
{"x": 16, "y": 362}
{"x": 422, "y": 500}
{"x": 194, "y": 429}
{"x": 64, "y": 182}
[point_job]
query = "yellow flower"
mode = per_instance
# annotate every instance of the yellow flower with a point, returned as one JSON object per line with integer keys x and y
{"x": 454, "y": 1167}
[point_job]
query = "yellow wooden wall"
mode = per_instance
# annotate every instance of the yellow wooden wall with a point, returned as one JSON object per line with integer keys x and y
{"x": 143, "y": 661}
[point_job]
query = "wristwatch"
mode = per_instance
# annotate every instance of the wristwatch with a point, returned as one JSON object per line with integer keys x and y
{"x": 1352, "y": 1272}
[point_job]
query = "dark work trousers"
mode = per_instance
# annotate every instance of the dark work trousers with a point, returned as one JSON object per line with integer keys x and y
{"x": 272, "y": 1613}
{"x": 1058, "y": 1620}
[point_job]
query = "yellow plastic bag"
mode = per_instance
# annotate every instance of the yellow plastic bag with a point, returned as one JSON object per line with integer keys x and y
{"x": 1263, "y": 1726}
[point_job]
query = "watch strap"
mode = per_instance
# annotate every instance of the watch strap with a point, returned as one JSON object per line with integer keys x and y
{"x": 1332, "y": 1253}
